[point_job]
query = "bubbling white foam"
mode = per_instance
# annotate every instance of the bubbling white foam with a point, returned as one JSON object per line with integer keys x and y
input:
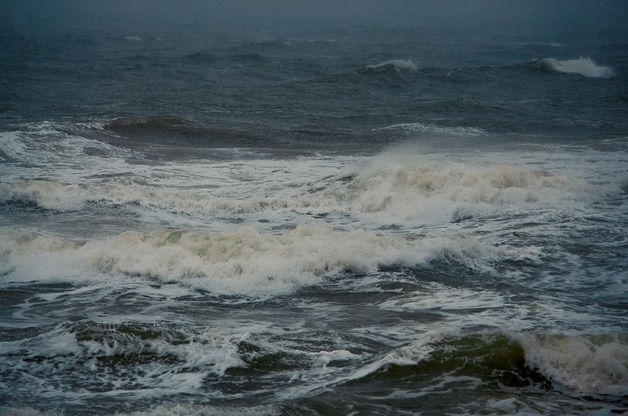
{"x": 594, "y": 364}
{"x": 387, "y": 190}
{"x": 47, "y": 194}
{"x": 240, "y": 261}
{"x": 415, "y": 192}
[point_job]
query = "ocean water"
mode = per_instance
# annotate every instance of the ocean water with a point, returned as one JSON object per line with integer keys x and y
{"x": 300, "y": 209}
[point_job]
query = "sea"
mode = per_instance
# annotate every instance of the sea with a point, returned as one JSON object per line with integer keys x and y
{"x": 313, "y": 208}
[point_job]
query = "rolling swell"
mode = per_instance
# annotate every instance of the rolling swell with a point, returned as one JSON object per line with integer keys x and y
{"x": 179, "y": 130}
{"x": 448, "y": 369}
{"x": 445, "y": 370}
{"x": 184, "y": 132}
{"x": 133, "y": 354}
{"x": 489, "y": 357}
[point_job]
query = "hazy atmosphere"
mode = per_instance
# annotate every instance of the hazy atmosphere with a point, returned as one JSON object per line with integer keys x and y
{"x": 313, "y": 207}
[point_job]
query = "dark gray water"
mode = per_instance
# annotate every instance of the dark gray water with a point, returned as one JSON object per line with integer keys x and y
{"x": 290, "y": 208}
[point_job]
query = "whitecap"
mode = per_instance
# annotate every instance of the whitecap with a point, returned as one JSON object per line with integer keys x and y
{"x": 432, "y": 129}
{"x": 586, "y": 364}
{"x": 398, "y": 64}
{"x": 583, "y": 66}
{"x": 239, "y": 261}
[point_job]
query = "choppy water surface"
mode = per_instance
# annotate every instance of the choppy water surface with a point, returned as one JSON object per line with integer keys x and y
{"x": 332, "y": 220}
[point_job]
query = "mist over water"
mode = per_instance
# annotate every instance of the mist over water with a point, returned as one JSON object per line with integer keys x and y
{"x": 299, "y": 207}
{"x": 290, "y": 64}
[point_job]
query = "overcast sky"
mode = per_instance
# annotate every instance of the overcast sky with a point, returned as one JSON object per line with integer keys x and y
{"x": 303, "y": 15}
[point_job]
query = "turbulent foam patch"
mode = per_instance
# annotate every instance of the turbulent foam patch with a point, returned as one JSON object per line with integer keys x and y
{"x": 49, "y": 150}
{"x": 441, "y": 298}
{"x": 50, "y": 195}
{"x": 242, "y": 260}
{"x": 582, "y": 66}
{"x": 169, "y": 410}
{"x": 116, "y": 360}
{"x": 29, "y": 411}
{"x": 415, "y": 192}
{"x": 594, "y": 364}
{"x": 388, "y": 190}
{"x": 200, "y": 410}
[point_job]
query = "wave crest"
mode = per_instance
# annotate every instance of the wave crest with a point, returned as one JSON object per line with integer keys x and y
{"x": 594, "y": 364}
{"x": 432, "y": 129}
{"x": 419, "y": 193}
{"x": 585, "y": 364}
{"x": 396, "y": 64}
{"x": 582, "y": 66}
{"x": 240, "y": 261}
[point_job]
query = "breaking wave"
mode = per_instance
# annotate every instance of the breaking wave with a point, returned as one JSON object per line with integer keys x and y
{"x": 593, "y": 364}
{"x": 387, "y": 190}
{"x": 412, "y": 193}
{"x": 577, "y": 364}
{"x": 396, "y": 64}
{"x": 432, "y": 129}
{"x": 582, "y": 66}
{"x": 242, "y": 261}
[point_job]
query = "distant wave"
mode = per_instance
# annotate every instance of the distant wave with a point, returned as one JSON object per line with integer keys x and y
{"x": 552, "y": 44}
{"x": 428, "y": 128}
{"x": 397, "y": 64}
{"x": 583, "y": 66}
{"x": 165, "y": 124}
{"x": 160, "y": 121}
{"x": 199, "y": 57}
{"x": 174, "y": 128}
{"x": 280, "y": 44}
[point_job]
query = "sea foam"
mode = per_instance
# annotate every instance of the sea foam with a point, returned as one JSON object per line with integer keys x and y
{"x": 238, "y": 261}
{"x": 585, "y": 364}
{"x": 413, "y": 192}
{"x": 582, "y": 66}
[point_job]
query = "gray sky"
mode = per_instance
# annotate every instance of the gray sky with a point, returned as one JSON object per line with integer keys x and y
{"x": 304, "y": 15}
